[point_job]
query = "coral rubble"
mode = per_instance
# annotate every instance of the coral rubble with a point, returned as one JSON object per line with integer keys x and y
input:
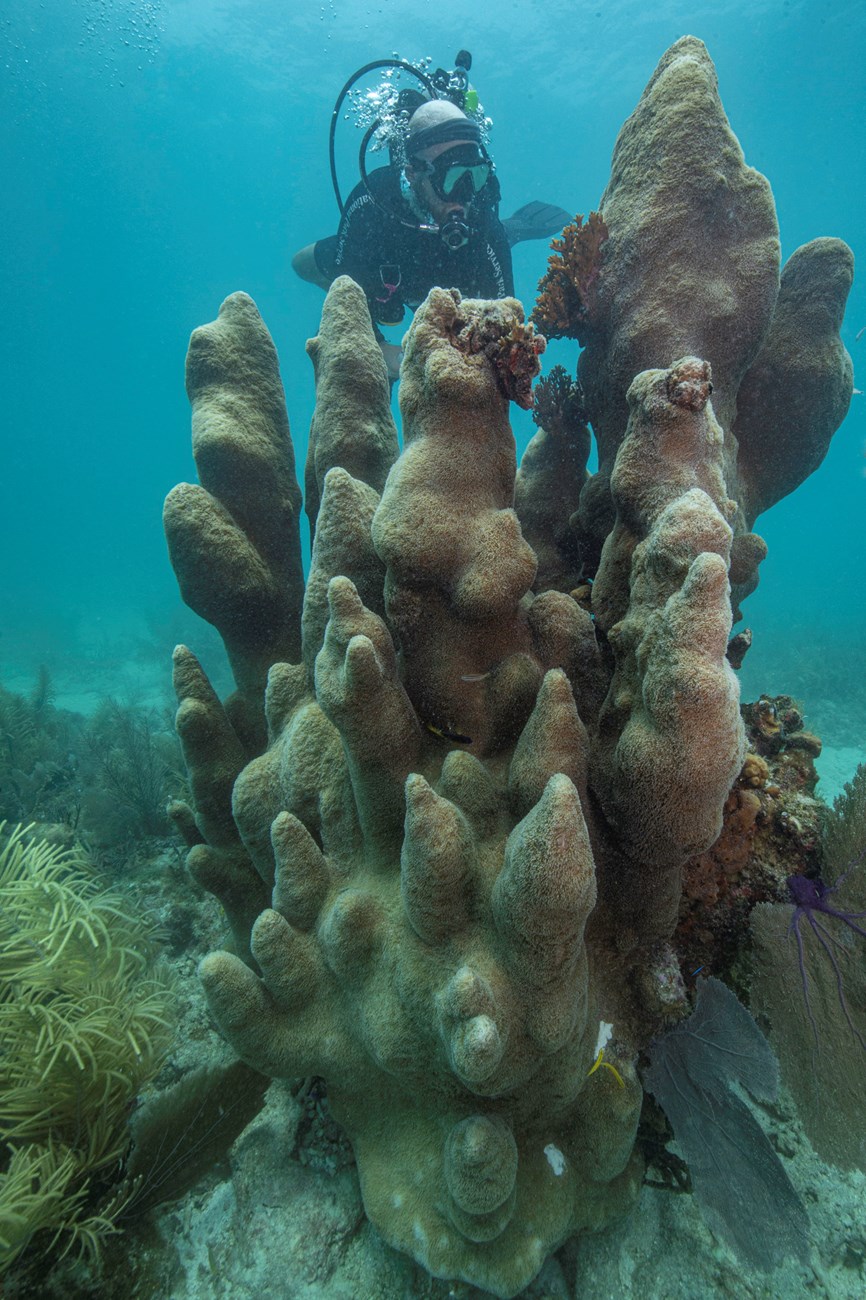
{"x": 450, "y": 833}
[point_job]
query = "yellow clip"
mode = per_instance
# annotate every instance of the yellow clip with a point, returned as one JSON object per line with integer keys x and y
{"x": 599, "y": 1060}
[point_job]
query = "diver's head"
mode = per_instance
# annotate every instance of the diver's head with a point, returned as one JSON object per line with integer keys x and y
{"x": 446, "y": 166}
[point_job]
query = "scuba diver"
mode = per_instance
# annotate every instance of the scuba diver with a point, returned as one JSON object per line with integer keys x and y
{"x": 431, "y": 216}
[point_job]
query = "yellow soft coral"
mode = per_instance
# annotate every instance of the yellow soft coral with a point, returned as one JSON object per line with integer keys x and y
{"x": 84, "y": 1023}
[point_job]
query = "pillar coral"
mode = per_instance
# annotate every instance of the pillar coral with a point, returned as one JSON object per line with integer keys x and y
{"x": 691, "y": 266}
{"x": 352, "y": 424}
{"x": 452, "y": 864}
{"x": 550, "y": 479}
{"x": 233, "y": 537}
{"x": 458, "y": 566}
{"x": 426, "y": 922}
{"x": 662, "y": 601}
{"x": 798, "y": 389}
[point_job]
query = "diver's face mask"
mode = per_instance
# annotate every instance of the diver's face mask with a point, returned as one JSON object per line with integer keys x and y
{"x": 457, "y": 175}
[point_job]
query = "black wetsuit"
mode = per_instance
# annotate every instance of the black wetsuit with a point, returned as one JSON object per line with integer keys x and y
{"x": 397, "y": 264}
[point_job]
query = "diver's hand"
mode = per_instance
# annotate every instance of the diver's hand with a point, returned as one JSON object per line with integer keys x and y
{"x": 393, "y": 356}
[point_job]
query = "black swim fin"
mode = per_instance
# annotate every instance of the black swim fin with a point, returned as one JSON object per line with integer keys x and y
{"x": 535, "y": 221}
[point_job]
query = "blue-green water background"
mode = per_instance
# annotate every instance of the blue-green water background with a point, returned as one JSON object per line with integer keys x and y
{"x": 156, "y": 156}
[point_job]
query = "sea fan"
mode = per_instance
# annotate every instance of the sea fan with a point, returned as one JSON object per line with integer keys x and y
{"x": 742, "y": 1188}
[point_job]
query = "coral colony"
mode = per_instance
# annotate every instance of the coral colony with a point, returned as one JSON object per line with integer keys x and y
{"x": 448, "y": 808}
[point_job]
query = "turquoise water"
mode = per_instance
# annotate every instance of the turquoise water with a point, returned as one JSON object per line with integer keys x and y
{"x": 157, "y": 156}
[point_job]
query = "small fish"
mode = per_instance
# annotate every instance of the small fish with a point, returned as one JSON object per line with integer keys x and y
{"x": 858, "y": 336}
{"x": 475, "y": 677}
{"x": 444, "y": 734}
{"x": 856, "y": 392}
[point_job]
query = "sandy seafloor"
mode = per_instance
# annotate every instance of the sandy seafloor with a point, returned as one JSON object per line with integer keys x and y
{"x": 284, "y": 1221}
{"x": 278, "y": 1228}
